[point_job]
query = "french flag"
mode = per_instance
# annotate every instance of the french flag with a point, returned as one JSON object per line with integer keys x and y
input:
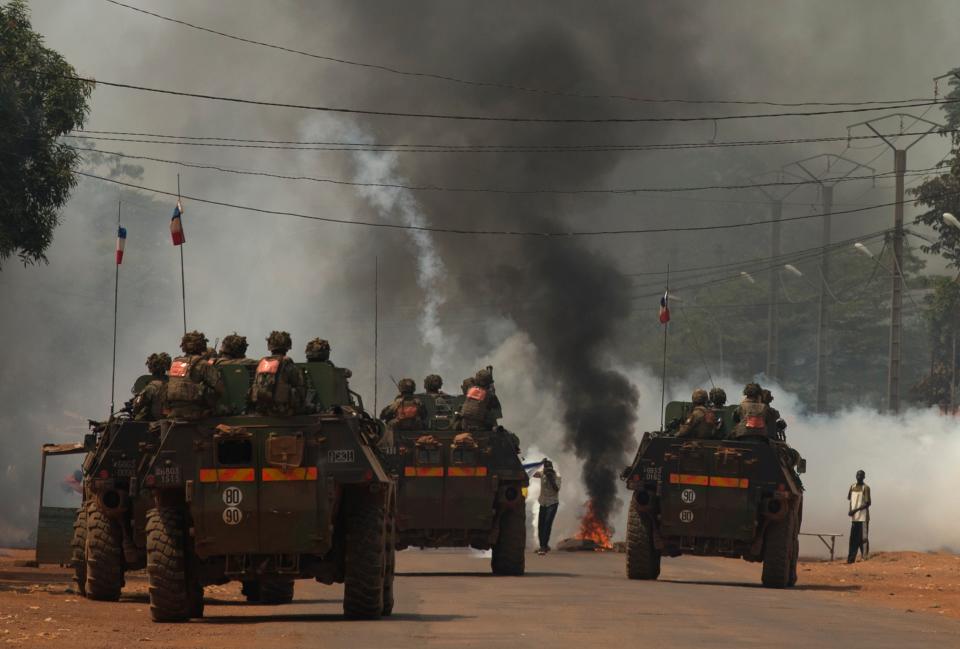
{"x": 176, "y": 227}
{"x": 665, "y": 308}
{"x": 121, "y": 242}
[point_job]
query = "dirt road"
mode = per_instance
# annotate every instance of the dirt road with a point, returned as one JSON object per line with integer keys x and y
{"x": 448, "y": 599}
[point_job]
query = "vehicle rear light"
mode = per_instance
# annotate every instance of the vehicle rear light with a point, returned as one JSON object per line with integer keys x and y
{"x": 367, "y": 475}
{"x": 104, "y": 473}
{"x": 150, "y": 480}
{"x": 781, "y": 487}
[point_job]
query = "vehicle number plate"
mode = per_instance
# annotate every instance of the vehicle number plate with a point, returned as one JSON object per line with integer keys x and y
{"x": 168, "y": 476}
{"x": 341, "y": 456}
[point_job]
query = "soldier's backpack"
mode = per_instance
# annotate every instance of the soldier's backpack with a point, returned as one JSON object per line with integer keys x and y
{"x": 181, "y": 388}
{"x": 475, "y": 405}
{"x": 753, "y": 420}
{"x": 270, "y": 385}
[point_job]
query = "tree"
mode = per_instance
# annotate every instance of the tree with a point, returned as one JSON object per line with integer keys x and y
{"x": 38, "y": 103}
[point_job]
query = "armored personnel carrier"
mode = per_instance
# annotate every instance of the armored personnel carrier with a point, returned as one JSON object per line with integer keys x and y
{"x": 738, "y": 498}
{"x": 458, "y": 488}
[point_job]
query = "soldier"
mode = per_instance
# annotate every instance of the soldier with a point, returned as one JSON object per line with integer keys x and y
{"x": 718, "y": 399}
{"x": 775, "y": 424}
{"x": 751, "y": 415}
{"x": 195, "y": 385}
{"x": 318, "y": 351}
{"x": 480, "y": 408}
{"x": 149, "y": 403}
{"x": 701, "y": 423}
{"x": 467, "y": 384}
{"x": 432, "y": 385}
{"x": 278, "y": 386}
{"x": 406, "y": 412}
{"x": 233, "y": 351}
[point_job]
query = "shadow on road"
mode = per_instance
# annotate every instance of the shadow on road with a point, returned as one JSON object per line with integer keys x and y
{"x": 321, "y": 617}
{"x": 740, "y": 584}
{"x": 209, "y": 601}
{"x": 483, "y": 574}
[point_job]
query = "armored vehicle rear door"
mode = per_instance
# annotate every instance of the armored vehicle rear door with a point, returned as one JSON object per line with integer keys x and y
{"x": 326, "y": 384}
{"x": 421, "y": 488}
{"x": 60, "y": 498}
{"x": 469, "y": 491}
{"x": 236, "y": 386}
{"x": 707, "y": 492}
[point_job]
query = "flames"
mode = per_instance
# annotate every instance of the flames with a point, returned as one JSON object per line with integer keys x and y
{"x": 595, "y": 530}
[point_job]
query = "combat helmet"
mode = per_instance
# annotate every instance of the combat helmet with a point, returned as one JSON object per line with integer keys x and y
{"x": 483, "y": 378}
{"x": 234, "y": 346}
{"x": 193, "y": 342}
{"x": 766, "y": 396}
{"x": 432, "y": 383}
{"x": 278, "y": 342}
{"x": 699, "y": 397}
{"x": 318, "y": 350}
{"x": 158, "y": 364}
{"x": 406, "y": 386}
{"x": 718, "y": 397}
{"x": 468, "y": 383}
{"x": 751, "y": 390}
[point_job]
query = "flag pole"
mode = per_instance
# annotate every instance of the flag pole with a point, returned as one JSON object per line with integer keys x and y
{"x": 183, "y": 285}
{"x": 116, "y": 295}
{"x": 376, "y": 329}
{"x": 663, "y": 375}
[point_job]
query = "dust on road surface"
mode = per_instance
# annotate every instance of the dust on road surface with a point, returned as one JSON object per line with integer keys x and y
{"x": 449, "y": 599}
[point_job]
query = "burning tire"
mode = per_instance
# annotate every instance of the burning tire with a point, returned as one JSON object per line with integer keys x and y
{"x": 170, "y": 595}
{"x": 508, "y": 551}
{"x": 779, "y": 550}
{"x": 78, "y": 551}
{"x": 643, "y": 558}
{"x": 104, "y": 556}
{"x": 366, "y": 558}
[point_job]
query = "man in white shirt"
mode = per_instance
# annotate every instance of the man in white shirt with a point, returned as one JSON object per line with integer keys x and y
{"x": 859, "y": 497}
{"x": 549, "y": 502}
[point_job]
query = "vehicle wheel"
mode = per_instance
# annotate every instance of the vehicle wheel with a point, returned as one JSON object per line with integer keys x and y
{"x": 509, "y": 550}
{"x": 78, "y": 551}
{"x": 778, "y": 550}
{"x": 104, "y": 556}
{"x": 365, "y": 557}
{"x": 643, "y": 558}
{"x": 251, "y": 590}
{"x": 196, "y": 599}
{"x": 391, "y": 565}
{"x": 166, "y": 566}
{"x": 276, "y": 590}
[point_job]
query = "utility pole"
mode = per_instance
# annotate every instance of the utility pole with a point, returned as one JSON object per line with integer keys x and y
{"x": 807, "y": 166}
{"x": 896, "y": 288}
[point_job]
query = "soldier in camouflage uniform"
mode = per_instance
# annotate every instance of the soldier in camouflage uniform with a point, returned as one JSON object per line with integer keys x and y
{"x": 149, "y": 403}
{"x": 701, "y": 423}
{"x": 318, "y": 351}
{"x": 467, "y": 384}
{"x": 278, "y": 386}
{"x": 406, "y": 412}
{"x": 233, "y": 351}
{"x": 751, "y": 414}
{"x": 195, "y": 386}
{"x": 480, "y": 408}
{"x": 432, "y": 385}
{"x": 775, "y": 424}
{"x": 718, "y": 399}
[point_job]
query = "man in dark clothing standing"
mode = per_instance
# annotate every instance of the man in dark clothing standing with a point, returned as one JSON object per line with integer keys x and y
{"x": 549, "y": 502}
{"x": 859, "y": 497}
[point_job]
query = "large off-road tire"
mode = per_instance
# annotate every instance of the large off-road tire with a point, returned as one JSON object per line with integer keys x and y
{"x": 390, "y": 542}
{"x": 104, "y": 556}
{"x": 276, "y": 590}
{"x": 250, "y": 588}
{"x": 365, "y": 558}
{"x": 510, "y": 549}
{"x": 78, "y": 551}
{"x": 643, "y": 558}
{"x": 170, "y": 592}
{"x": 778, "y": 550}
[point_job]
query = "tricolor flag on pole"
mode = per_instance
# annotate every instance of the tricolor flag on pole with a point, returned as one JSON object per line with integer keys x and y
{"x": 665, "y": 308}
{"x": 176, "y": 227}
{"x": 121, "y": 242}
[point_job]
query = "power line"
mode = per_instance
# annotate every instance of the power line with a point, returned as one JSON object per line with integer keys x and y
{"x": 486, "y": 190}
{"x": 505, "y": 119}
{"x": 440, "y": 230}
{"x": 494, "y": 84}
{"x": 302, "y": 145}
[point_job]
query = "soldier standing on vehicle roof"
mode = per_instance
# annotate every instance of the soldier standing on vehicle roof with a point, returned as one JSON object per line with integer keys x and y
{"x": 233, "y": 351}
{"x": 718, "y": 399}
{"x": 701, "y": 423}
{"x": 775, "y": 424}
{"x": 432, "y": 384}
{"x": 481, "y": 405}
{"x": 149, "y": 403}
{"x": 195, "y": 385}
{"x": 278, "y": 386}
{"x": 859, "y": 497}
{"x": 406, "y": 412}
{"x": 751, "y": 415}
{"x": 318, "y": 351}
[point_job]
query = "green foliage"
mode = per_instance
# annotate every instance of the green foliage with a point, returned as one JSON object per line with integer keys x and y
{"x": 37, "y": 105}
{"x": 941, "y": 311}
